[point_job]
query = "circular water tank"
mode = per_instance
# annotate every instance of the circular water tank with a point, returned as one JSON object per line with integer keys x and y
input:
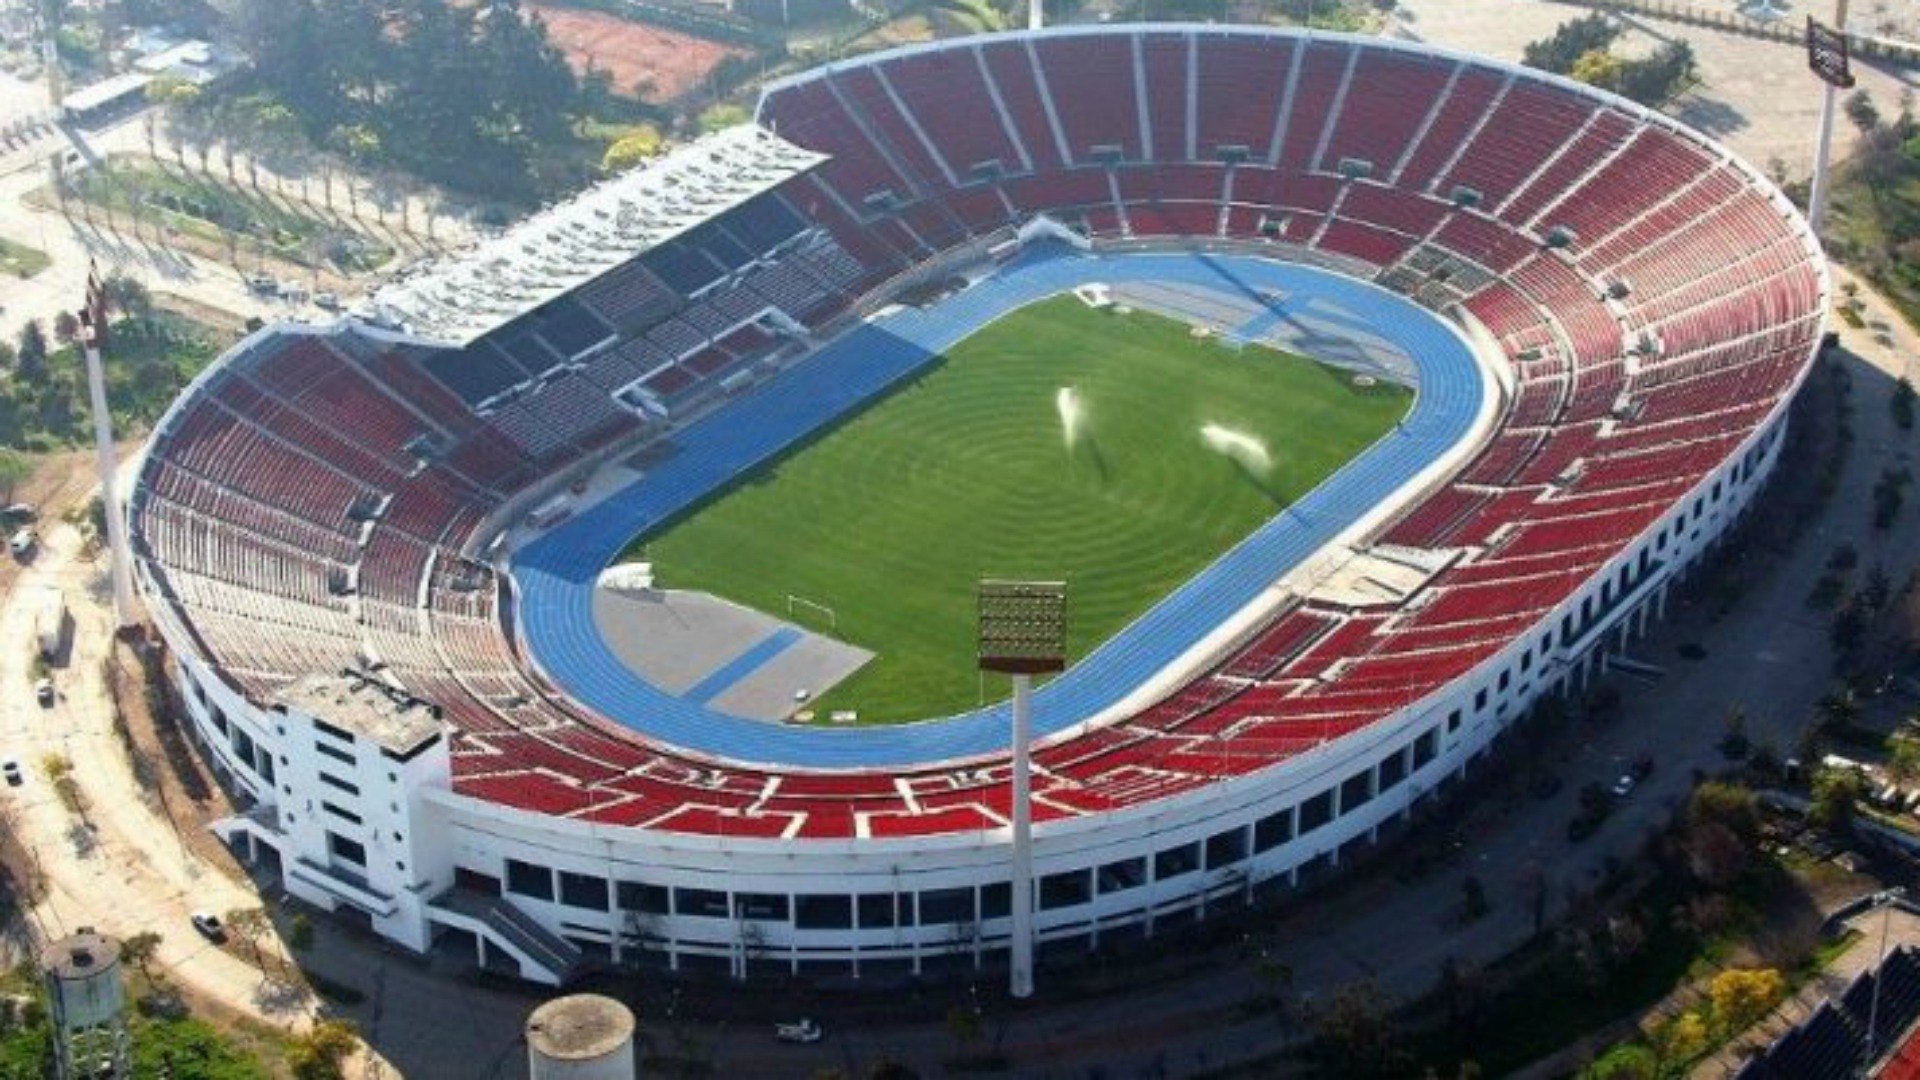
{"x": 83, "y": 980}
{"x": 582, "y": 1037}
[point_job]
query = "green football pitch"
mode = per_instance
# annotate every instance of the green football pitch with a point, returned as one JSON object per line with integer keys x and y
{"x": 966, "y": 472}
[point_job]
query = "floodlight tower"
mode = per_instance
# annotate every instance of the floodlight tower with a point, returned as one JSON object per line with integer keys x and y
{"x": 1828, "y": 59}
{"x": 1023, "y": 633}
{"x": 93, "y": 330}
{"x": 50, "y": 54}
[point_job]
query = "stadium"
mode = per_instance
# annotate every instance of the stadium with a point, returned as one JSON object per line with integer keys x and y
{"x": 382, "y": 552}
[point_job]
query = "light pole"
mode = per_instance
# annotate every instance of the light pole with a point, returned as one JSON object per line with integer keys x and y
{"x": 1023, "y": 633}
{"x": 93, "y": 328}
{"x": 1827, "y": 56}
{"x": 1884, "y": 901}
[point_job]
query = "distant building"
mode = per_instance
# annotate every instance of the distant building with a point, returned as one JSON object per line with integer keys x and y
{"x": 152, "y": 54}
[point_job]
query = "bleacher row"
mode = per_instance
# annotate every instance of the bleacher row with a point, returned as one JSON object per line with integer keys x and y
{"x": 1655, "y": 301}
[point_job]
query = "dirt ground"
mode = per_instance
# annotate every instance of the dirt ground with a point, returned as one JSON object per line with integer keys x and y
{"x": 634, "y": 53}
{"x": 58, "y": 483}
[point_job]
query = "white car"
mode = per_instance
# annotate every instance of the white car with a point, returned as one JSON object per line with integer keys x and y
{"x": 800, "y": 1031}
{"x": 1624, "y": 786}
{"x": 11, "y": 770}
{"x": 209, "y": 925}
{"x": 43, "y": 692}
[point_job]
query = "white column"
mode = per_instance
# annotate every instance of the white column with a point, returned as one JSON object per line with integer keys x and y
{"x": 1036, "y": 15}
{"x": 1020, "y": 973}
{"x": 120, "y": 566}
{"x": 1823, "y": 150}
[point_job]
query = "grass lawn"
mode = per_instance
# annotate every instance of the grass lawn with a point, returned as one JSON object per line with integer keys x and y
{"x": 892, "y": 517}
{"x": 21, "y": 261}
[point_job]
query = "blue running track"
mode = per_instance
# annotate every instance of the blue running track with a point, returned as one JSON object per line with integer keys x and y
{"x": 555, "y": 573}
{"x": 758, "y": 656}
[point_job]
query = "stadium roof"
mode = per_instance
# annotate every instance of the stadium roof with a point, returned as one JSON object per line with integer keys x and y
{"x": 455, "y": 300}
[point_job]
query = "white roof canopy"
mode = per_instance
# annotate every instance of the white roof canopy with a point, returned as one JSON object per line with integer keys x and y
{"x": 455, "y": 300}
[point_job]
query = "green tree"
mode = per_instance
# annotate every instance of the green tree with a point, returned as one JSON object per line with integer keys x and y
{"x": 1657, "y": 79}
{"x": 720, "y": 117}
{"x": 15, "y": 467}
{"x": 1571, "y": 40}
{"x": 1355, "y": 1033}
{"x": 1903, "y": 757}
{"x": 300, "y": 932}
{"x": 1741, "y": 996}
{"x": 1836, "y": 798}
{"x": 1680, "y": 1040}
{"x": 319, "y": 1052}
{"x": 632, "y": 149}
{"x": 1862, "y": 111}
{"x": 128, "y": 296}
{"x": 250, "y": 925}
{"x": 139, "y": 950}
{"x": 1727, "y": 804}
{"x": 1600, "y": 68}
{"x": 30, "y": 359}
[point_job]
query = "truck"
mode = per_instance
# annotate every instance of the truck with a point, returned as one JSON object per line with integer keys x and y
{"x": 50, "y": 623}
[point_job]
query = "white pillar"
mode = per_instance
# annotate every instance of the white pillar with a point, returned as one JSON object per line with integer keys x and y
{"x": 120, "y": 565}
{"x": 1036, "y": 15}
{"x": 1020, "y": 953}
{"x": 1823, "y": 150}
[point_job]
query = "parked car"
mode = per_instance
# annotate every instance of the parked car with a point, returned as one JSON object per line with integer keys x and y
{"x": 263, "y": 284}
{"x": 209, "y": 926}
{"x": 326, "y": 301}
{"x": 22, "y": 543}
{"x": 803, "y": 1030}
{"x": 43, "y": 692}
{"x": 18, "y": 514}
{"x": 11, "y": 770}
{"x": 1624, "y": 786}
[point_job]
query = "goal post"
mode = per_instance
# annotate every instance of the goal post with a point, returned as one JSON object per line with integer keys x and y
{"x": 800, "y": 602}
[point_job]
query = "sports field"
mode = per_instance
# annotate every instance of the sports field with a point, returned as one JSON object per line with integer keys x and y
{"x": 967, "y": 471}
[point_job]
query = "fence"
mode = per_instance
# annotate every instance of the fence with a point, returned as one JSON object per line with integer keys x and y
{"x": 1786, "y": 31}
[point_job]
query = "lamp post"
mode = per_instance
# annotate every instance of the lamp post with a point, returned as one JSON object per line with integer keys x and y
{"x": 1023, "y": 633}
{"x": 93, "y": 329}
{"x": 1827, "y": 56}
{"x": 1883, "y": 901}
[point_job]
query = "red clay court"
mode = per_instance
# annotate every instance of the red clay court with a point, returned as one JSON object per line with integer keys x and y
{"x": 634, "y": 53}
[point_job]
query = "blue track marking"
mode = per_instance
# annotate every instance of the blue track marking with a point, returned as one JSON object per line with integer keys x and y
{"x": 722, "y": 678}
{"x": 555, "y": 573}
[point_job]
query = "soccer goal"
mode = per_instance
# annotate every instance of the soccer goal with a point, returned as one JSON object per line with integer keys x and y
{"x": 795, "y": 603}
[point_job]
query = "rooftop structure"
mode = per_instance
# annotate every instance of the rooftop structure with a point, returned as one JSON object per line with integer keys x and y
{"x": 389, "y": 718}
{"x": 552, "y": 253}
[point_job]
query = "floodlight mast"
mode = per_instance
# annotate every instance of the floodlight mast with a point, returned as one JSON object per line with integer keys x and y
{"x": 1023, "y": 633}
{"x": 1822, "y": 59}
{"x": 93, "y": 331}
